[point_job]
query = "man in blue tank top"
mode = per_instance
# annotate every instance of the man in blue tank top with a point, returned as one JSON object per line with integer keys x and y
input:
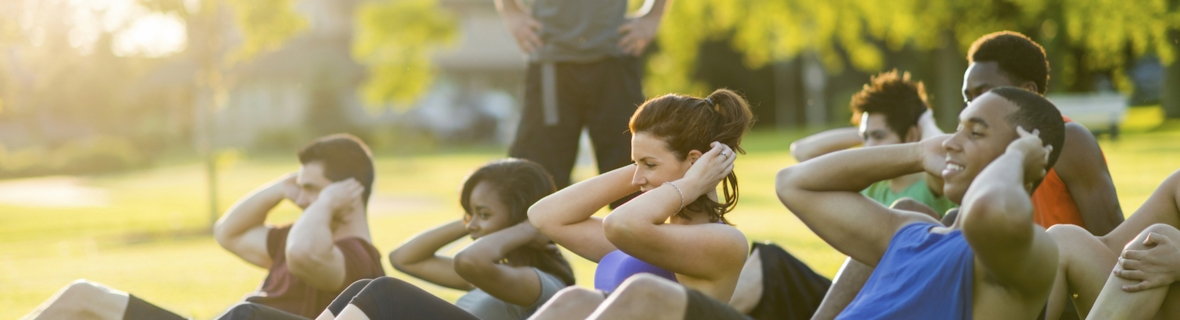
{"x": 992, "y": 263}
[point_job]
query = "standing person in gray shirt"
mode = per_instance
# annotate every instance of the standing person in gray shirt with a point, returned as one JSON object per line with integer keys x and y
{"x": 584, "y": 71}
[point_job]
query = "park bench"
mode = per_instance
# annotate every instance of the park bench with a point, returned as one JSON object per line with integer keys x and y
{"x": 1099, "y": 112}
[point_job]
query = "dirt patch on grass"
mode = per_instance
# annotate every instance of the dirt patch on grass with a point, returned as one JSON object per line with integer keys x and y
{"x": 52, "y": 192}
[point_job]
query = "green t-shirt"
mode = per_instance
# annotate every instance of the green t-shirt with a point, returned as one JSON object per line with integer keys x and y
{"x": 881, "y": 193}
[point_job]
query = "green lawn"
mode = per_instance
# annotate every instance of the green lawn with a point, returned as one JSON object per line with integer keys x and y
{"x": 148, "y": 238}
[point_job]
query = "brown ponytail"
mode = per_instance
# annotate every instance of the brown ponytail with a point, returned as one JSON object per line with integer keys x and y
{"x": 688, "y": 123}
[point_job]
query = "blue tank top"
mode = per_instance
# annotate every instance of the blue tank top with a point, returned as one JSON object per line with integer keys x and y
{"x": 617, "y": 266}
{"x": 922, "y": 275}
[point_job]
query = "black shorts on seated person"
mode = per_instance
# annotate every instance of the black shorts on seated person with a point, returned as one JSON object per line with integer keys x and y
{"x": 139, "y": 309}
{"x": 703, "y": 307}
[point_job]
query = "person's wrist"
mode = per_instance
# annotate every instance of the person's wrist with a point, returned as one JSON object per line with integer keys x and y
{"x": 691, "y": 188}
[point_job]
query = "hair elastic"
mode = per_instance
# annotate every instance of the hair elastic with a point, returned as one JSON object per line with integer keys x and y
{"x": 709, "y": 101}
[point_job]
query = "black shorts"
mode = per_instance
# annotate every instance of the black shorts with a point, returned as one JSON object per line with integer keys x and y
{"x": 139, "y": 309}
{"x": 703, "y": 307}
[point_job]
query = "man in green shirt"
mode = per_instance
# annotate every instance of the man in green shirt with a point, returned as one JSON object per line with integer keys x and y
{"x": 891, "y": 109}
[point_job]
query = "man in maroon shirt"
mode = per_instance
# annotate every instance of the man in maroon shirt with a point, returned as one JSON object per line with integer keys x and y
{"x": 310, "y": 261}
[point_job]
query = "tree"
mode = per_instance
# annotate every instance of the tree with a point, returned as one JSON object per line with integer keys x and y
{"x": 263, "y": 25}
{"x": 1094, "y": 35}
{"x": 394, "y": 40}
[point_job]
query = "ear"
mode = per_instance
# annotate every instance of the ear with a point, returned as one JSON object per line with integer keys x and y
{"x": 912, "y": 135}
{"x": 693, "y": 156}
{"x": 1030, "y": 86}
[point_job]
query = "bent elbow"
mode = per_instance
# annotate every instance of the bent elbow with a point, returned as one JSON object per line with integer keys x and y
{"x": 618, "y": 228}
{"x": 397, "y": 258}
{"x": 471, "y": 265}
{"x": 224, "y": 239}
{"x": 784, "y": 183}
{"x": 537, "y": 215}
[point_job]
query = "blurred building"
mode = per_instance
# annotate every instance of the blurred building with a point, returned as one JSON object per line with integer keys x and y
{"x": 310, "y": 84}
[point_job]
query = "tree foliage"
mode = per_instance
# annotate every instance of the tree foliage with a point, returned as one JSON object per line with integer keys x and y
{"x": 395, "y": 39}
{"x": 844, "y": 33}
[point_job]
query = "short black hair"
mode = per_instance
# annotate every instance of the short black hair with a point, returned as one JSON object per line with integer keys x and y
{"x": 1034, "y": 112}
{"x": 343, "y": 156}
{"x": 1020, "y": 58}
{"x": 901, "y": 101}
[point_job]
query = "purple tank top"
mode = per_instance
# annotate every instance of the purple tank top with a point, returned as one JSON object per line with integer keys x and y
{"x": 617, "y": 266}
{"x": 922, "y": 275}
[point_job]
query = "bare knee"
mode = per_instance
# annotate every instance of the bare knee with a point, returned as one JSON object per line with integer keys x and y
{"x": 645, "y": 296}
{"x": 577, "y": 296}
{"x": 647, "y": 287}
{"x": 1154, "y": 230}
{"x": 82, "y": 291}
{"x": 84, "y": 299}
{"x": 909, "y": 204}
{"x": 570, "y": 303}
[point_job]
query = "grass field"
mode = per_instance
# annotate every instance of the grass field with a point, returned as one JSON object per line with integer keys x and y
{"x": 145, "y": 232}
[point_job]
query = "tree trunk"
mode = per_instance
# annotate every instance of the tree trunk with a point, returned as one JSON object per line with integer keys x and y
{"x": 947, "y": 98}
{"x": 1170, "y": 88}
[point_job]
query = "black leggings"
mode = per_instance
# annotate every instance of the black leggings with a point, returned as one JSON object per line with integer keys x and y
{"x": 390, "y": 298}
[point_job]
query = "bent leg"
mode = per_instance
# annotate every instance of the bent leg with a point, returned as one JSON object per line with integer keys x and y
{"x": 1161, "y": 207}
{"x": 570, "y": 303}
{"x": 343, "y": 299}
{"x": 390, "y": 298}
{"x": 645, "y": 296}
{"x": 849, "y": 280}
{"x": 83, "y": 299}
{"x": 1115, "y": 303}
{"x": 909, "y": 204}
{"x": 749, "y": 287}
{"x": 254, "y": 311}
{"x": 1083, "y": 264}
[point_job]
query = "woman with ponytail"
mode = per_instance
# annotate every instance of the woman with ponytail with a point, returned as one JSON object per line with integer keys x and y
{"x": 509, "y": 271}
{"x": 683, "y": 147}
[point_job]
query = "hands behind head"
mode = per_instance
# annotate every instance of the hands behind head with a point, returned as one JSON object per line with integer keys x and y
{"x": 343, "y": 195}
{"x": 1155, "y": 267}
{"x": 290, "y": 185}
{"x": 539, "y": 240}
{"x": 709, "y": 170}
{"x": 934, "y": 154}
{"x": 1036, "y": 153}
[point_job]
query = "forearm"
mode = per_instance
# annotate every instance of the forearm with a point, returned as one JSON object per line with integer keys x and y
{"x": 580, "y": 201}
{"x": 825, "y": 142}
{"x": 631, "y": 221}
{"x": 423, "y": 246}
{"x": 494, "y": 247}
{"x": 250, "y": 211}
{"x": 855, "y": 170}
{"x": 310, "y": 238}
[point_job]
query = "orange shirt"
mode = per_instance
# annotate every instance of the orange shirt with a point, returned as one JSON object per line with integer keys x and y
{"x": 1052, "y": 203}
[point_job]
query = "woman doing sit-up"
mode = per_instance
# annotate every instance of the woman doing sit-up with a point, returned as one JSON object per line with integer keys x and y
{"x": 510, "y": 269}
{"x": 683, "y": 147}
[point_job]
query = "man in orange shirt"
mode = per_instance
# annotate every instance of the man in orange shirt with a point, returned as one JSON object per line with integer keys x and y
{"x": 1078, "y": 189}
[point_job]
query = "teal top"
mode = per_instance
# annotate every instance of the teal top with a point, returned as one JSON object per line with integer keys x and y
{"x": 881, "y": 193}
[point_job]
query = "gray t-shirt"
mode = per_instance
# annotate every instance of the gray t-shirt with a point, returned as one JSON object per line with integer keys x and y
{"x": 486, "y": 307}
{"x": 578, "y": 30}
